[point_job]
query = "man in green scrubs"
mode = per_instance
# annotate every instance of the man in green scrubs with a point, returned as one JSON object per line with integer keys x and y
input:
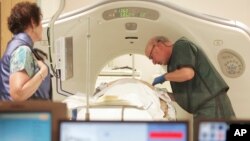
{"x": 197, "y": 87}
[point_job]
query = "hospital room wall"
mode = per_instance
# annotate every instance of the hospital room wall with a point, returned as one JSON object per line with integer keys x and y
{"x": 5, "y": 34}
{"x": 140, "y": 61}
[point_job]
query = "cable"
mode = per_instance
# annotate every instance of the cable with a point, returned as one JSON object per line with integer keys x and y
{"x": 50, "y": 57}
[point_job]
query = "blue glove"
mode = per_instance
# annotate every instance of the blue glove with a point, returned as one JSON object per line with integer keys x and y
{"x": 159, "y": 80}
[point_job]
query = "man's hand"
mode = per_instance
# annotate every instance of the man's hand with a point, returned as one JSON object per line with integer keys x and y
{"x": 159, "y": 80}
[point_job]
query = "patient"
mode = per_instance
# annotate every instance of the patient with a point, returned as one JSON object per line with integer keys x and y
{"x": 137, "y": 91}
{"x": 140, "y": 99}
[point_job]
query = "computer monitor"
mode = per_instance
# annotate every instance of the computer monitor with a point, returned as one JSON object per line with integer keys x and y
{"x": 55, "y": 110}
{"x": 123, "y": 131}
{"x": 223, "y": 130}
{"x": 25, "y": 126}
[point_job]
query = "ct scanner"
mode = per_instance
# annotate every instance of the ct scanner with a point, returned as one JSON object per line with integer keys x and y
{"x": 98, "y": 33}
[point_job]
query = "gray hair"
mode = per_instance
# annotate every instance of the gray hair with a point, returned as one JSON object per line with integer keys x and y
{"x": 162, "y": 39}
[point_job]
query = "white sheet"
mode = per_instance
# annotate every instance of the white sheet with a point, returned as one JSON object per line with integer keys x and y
{"x": 124, "y": 91}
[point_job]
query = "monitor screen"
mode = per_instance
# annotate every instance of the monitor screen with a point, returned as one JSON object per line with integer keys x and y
{"x": 25, "y": 126}
{"x": 123, "y": 131}
{"x": 57, "y": 111}
{"x": 227, "y": 130}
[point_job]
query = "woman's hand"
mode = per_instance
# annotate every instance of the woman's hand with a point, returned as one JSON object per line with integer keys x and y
{"x": 22, "y": 86}
{"x": 43, "y": 68}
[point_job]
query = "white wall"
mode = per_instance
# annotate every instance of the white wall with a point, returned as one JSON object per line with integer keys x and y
{"x": 140, "y": 63}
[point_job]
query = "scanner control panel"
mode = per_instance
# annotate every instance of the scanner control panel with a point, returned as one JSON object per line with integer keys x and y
{"x": 231, "y": 63}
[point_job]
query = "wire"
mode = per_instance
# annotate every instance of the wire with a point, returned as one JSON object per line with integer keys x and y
{"x": 50, "y": 57}
{"x": 59, "y": 71}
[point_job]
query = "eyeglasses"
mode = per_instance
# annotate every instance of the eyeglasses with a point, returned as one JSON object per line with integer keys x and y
{"x": 151, "y": 52}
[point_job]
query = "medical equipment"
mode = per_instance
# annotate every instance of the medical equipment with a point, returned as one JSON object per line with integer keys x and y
{"x": 222, "y": 130}
{"x": 64, "y": 57}
{"x": 123, "y": 131}
{"x": 24, "y": 124}
{"x": 46, "y": 112}
{"x": 111, "y": 28}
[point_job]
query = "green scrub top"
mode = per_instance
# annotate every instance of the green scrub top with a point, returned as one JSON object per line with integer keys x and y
{"x": 205, "y": 85}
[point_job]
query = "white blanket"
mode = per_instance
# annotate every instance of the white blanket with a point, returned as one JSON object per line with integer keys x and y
{"x": 124, "y": 91}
